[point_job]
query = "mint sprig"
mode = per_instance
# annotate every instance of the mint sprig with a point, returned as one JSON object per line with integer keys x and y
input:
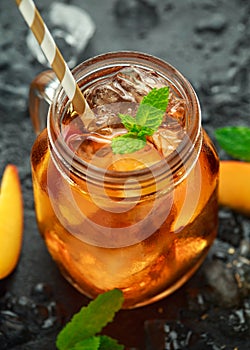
{"x": 235, "y": 140}
{"x": 81, "y": 333}
{"x": 101, "y": 342}
{"x": 147, "y": 120}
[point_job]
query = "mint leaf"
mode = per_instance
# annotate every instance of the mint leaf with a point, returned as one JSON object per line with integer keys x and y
{"x": 157, "y": 98}
{"x": 235, "y": 141}
{"x": 128, "y": 122}
{"x": 107, "y": 343}
{"x": 145, "y": 131}
{"x": 127, "y": 143}
{"x": 100, "y": 342}
{"x": 148, "y": 119}
{"x": 149, "y": 116}
{"x": 92, "y": 343}
{"x": 90, "y": 320}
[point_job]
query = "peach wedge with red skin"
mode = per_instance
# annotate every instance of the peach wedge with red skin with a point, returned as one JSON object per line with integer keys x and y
{"x": 11, "y": 220}
{"x": 234, "y": 185}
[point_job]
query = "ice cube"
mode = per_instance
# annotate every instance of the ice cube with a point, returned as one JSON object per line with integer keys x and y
{"x": 166, "y": 140}
{"x": 129, "y": 85}
{"x": 71, "y": 27}
{"x": 176, "y": 108}
{"x": 138, "y": 83}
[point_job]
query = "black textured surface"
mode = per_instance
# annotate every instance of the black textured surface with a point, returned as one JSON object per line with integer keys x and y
{"x": 208, "y": 41}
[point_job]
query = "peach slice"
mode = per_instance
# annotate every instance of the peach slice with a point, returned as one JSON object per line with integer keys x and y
{"x": 234, "y": 185}
{"x": 11, "y": 220}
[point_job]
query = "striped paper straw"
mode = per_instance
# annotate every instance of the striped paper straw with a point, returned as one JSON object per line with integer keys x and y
{"x": 52, "y": 53}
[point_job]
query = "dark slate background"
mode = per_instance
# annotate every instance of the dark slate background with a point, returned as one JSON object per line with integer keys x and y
{"x": 208, "y": 41}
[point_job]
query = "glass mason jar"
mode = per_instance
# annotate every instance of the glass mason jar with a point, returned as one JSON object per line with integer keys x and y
{"x": 125, "y": 221}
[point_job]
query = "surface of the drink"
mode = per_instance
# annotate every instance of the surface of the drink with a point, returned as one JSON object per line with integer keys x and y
{"x": 122, "y": 93}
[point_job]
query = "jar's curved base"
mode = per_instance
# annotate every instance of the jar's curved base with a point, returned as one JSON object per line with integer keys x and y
{"x": 169, "y": 290}
{"x": 127, "y": 304}
{"x": 162, "y": 274}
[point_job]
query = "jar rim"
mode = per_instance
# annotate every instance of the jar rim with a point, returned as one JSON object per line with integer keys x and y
{"x": 89, "y": 69}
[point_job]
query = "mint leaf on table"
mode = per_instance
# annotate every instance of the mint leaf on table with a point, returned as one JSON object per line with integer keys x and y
{"x": 100, "y": 342}
{"x": 235, "y": 140}
{"x": 147, "y": 120}
{"x": 90, "y": 320}
{"x": 92, "y": 343}
{"x": 107, "y": 343}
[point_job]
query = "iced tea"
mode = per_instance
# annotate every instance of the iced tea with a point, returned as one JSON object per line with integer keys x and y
{"x": 141, "y": 222}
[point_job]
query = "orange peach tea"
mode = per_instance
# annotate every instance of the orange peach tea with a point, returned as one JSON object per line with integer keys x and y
{"x": 141, "y": 222}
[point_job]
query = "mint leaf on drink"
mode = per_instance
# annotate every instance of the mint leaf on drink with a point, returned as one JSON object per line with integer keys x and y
{"x": 89, "y": 321}
{"x": 149, "y": 116}
{"x": 235, "y": 140}
{"x": 127, "y": 143}
{"x": 157, "y": 98}
{"x": 129, "y": 122}
{"x": 147, "y": 120}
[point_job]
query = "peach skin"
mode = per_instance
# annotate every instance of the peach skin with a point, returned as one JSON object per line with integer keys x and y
{"x": 11, "y": 220}
{"x": 234, "y": 185}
